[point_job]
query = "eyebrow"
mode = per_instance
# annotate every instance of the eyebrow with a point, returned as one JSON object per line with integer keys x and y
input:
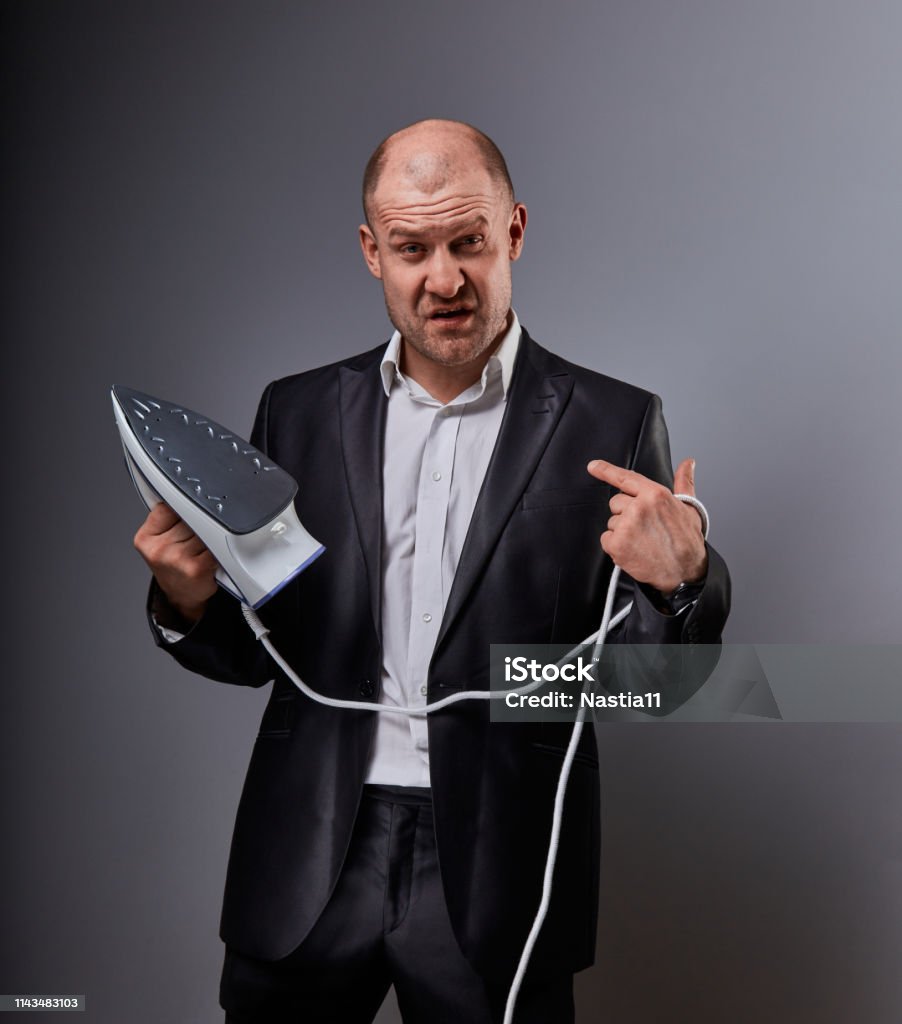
{"x": 477, "y": 223}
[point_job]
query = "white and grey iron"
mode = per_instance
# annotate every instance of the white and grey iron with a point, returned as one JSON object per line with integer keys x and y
{"x": 237, "y": 501}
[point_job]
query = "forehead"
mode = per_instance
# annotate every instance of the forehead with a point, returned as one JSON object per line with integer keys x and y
{"x": 435, "y": 190}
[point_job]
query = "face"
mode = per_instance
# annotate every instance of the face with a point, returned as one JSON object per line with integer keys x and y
{"x": 442, "y": 246}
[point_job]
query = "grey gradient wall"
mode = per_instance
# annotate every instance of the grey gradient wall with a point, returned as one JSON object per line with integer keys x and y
{"x": 715, "y": 214}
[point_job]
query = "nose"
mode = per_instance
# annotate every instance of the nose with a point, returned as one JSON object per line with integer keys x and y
{"x": 444, "y": 276}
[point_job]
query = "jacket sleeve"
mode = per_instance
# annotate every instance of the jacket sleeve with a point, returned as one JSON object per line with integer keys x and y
{"x": 704, "y": 621}
{"x": 697, "y": 629}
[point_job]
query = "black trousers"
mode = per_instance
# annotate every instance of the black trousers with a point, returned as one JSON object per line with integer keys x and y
{"x": 386, "y": 924}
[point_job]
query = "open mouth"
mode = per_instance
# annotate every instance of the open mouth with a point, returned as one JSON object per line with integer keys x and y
{"x": 450, "y": 314}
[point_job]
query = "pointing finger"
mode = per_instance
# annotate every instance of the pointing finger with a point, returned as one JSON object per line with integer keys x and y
{"x": 623, "y": 479}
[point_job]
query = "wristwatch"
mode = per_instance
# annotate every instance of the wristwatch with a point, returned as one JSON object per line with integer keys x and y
{"x": 684, "y": 595}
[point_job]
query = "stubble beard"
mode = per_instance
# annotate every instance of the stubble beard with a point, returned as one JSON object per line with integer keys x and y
{"x": 453, "y": 347}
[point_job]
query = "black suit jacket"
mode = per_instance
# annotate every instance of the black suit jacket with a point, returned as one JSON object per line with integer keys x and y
{"x": 531, "y": 571}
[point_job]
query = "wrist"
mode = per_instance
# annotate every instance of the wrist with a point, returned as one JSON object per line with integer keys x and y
{"x": 696, "y": 573}
{"x": 171, "y": 613}
{"x": 189, "y": 615}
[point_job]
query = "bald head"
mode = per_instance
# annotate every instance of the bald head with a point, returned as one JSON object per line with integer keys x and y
{"x": 428, "y": 155}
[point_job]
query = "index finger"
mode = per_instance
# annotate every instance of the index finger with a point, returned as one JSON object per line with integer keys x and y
{"x": 625, "y": 480}
{"x": 160, "y": 519}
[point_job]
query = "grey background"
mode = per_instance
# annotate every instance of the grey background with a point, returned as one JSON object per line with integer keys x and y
{"x": 715, "y": 214}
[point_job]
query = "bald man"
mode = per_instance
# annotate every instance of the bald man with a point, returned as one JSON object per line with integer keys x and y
{"x": 470, "y": 488}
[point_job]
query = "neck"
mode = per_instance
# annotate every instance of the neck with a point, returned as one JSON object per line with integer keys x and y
{"x": 444, "y": 383}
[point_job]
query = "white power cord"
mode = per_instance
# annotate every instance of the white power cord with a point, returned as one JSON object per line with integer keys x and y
{"x": 262, "y": 634}
{"x": 608, "y": 622}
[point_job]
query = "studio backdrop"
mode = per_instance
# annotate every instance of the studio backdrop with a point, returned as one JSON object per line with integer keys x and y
{"x": 715, "y": 215}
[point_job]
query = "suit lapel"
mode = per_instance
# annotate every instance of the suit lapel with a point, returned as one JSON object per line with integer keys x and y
{"x": 539, "y": 390}
{"x": 362, "y": 410}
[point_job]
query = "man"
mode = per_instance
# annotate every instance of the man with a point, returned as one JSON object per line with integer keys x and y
{"x": 446, "y": 475}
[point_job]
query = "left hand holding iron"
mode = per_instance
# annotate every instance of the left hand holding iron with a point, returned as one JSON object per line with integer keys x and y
{"x": 653, "y": 536}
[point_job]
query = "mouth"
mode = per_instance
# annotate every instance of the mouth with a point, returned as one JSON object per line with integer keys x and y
{"x": 450, "y": 315}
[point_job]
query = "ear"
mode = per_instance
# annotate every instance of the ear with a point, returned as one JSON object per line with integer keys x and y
{"x": 517, "y": 230}
{"x": 370, "y": 250}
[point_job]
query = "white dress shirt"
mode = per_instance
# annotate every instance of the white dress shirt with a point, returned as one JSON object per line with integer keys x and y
{"x": 435, "y": 461}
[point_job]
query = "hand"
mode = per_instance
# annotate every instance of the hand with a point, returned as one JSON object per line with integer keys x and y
{"x": 652, "y": 535}
{"x": 183, "y": 567}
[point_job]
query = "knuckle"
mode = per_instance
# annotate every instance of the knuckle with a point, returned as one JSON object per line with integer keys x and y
{"x": 194, "y": 570}
{"x": 150, "y": 550}
{"x": 168, "y": 555}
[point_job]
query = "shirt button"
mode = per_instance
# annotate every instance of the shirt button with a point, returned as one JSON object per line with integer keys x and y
{"x": 424, "y": 689}
{"x": 367, "y": 688}
{"x": 427, "y": 617}
{"x": 436, "y": 476}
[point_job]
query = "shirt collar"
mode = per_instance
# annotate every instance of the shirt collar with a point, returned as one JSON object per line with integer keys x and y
{"x": 502, "y": 359}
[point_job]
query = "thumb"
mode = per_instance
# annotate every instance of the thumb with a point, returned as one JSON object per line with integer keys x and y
{"x": 684, "y": 478}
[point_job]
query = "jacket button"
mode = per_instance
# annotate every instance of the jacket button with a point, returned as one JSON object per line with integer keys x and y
{"x": 367, "y": 688}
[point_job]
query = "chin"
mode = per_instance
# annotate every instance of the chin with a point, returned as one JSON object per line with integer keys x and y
{"x": 456, "y": 352}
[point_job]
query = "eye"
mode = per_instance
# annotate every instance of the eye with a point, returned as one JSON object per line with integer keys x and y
{"x": 410, "y": 249}
{"x": 471, "y": 240}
